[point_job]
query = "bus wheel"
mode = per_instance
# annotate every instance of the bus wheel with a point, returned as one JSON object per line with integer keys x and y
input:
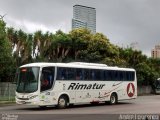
{"x": 62, "y": 102}
{"x": 113, "y": 99}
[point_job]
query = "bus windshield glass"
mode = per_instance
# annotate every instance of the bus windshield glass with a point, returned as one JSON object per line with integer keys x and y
{"x": 28, "y": 79}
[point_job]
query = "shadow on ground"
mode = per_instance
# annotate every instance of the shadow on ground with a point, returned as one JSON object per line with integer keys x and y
{"x": 35, "y": 108}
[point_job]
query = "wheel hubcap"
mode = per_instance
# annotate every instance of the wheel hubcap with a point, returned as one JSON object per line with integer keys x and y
{"x": 62, "y": 102}
{"x": 112, "y": 99}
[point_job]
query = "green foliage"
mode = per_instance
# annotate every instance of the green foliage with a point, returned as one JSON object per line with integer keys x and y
{"x": 18, "y": 47}
{"x": 80, "y": 40}
{"x": 147, "y": 69}
{"x": 6, "y": 62}
{"x": 60, "y": 46}
{"x": 91, "y": 47}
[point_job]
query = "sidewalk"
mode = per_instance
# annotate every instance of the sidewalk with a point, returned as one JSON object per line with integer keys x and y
{"x": 7, "y": 103}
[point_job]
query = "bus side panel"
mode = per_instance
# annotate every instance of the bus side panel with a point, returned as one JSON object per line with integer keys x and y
{"x": 129, "y": 91}
{"x": 78, "y": 92}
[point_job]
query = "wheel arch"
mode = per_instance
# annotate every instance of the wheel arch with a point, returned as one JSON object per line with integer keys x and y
{"x": 116, "y": 98}
{"x": 115, "y": 94}
{"x": 64, "y": 94}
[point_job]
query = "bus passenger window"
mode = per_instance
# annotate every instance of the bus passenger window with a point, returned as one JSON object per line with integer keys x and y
{"x": 93, "y": 76}
{"x": 79, "y": 75}
{"x": 98, "y": 75}
{"x": 71, "y": 73}
{"x": 86, "y": 74}
{"x": 121, "y": 75}
{"x": 61, "y": 74}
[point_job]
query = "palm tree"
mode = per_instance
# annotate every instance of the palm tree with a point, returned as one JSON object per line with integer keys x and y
{"x": 20, "y": 47}
{"x": 46, "y": 46}
{"x": 12, "y": 36}
{"x": 61, "y": 46}
{"x": 37, "y": 41}
{"x": 27, "y": 49}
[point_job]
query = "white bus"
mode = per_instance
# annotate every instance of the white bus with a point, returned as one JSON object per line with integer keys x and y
{"x": 61, "y": 84}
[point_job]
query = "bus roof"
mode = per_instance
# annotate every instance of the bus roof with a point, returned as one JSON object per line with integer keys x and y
{"x": 77, "y": 65}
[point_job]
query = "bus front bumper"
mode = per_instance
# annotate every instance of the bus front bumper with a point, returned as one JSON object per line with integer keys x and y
{"x": 28, "y": 102}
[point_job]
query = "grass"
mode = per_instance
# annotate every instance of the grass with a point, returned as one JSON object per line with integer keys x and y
{"x": 6, "y": 100}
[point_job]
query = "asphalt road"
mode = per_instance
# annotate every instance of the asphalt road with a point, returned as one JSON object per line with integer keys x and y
{"x": 138, "y": 108}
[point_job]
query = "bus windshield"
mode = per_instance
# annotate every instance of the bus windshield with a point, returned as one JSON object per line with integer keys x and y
{"x": 28, "y": 79}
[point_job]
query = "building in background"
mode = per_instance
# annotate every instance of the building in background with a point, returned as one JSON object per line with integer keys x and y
{"x": 84, "y": 17}
{"x": 155, "y": 53}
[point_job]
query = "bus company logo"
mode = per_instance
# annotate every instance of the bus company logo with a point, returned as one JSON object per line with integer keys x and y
{"x": 130, "y": 89}
{"x": 78, "y": 86}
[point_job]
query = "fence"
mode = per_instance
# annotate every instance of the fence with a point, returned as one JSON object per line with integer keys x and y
{"x": 7, "y": 91}
{"x": 143, "y": 90}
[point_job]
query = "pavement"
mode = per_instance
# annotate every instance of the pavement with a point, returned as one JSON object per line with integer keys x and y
{"x": 7, "y": 103}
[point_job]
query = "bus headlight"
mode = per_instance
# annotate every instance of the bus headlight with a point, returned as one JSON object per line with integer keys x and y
{"x": 32, "y": 97}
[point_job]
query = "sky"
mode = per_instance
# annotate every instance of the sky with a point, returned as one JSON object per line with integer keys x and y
{"x": 124, "y": 22}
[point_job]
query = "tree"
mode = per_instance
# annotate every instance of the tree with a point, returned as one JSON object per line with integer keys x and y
{"x": 27, "y": 49}
{"x": 79, "y": 45}
{"x": 6, "y": 62}
{"x": 12, "y": 36}
{"x": 96, "y": 47}
{"x": 80, "y": 39}
{"x": 37, "y": 44}
{"x": 47, "y": 46}
{"x": 60, "y": 46}
{"x": 41, "y": 45}
{"x": 133, "y": 57}
{"x": 147, "y": 69}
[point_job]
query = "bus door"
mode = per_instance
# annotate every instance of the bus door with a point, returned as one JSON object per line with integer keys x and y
{"x": 46, "y": 84}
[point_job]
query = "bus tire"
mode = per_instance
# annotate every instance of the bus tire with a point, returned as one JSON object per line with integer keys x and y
{"x": 62, "y": 102}
{"x": 113, "y": 99}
